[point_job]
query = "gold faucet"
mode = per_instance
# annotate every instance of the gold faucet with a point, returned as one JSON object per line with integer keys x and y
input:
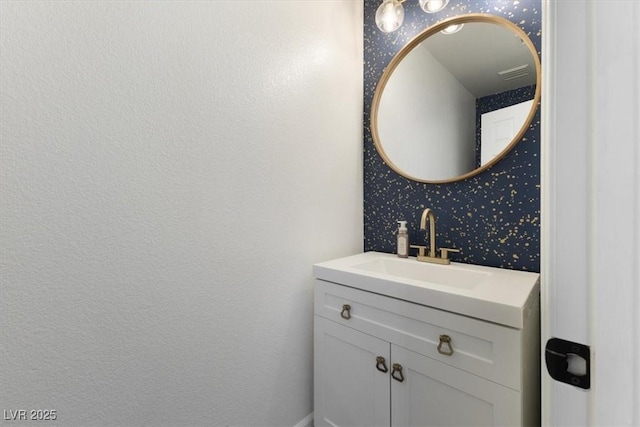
{"x": 427, "y": 215}
{"x": 431, "y": 255}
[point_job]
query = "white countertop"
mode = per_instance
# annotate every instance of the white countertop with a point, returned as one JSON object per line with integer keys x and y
{"x": 493, "y": 294}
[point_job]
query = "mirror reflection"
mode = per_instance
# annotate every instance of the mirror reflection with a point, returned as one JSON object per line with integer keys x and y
{"x": 451, "y": 104}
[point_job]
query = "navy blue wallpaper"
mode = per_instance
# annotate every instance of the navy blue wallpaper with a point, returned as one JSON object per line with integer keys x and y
{"x": 493, "y": 217}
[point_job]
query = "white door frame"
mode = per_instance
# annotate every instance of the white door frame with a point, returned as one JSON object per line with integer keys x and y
{"x": 590, "y": 213}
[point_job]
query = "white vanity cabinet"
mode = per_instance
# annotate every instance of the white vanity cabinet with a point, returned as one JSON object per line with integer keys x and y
{"x": 377, "y": 363}
{"x": 349, "y": 390}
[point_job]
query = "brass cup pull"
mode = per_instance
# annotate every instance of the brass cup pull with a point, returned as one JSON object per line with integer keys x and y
{"x": 445, "y": 339}
{"x": 346, "y": 311}
{"x": 397, "y": 368}
{"x": 380, "y": 361}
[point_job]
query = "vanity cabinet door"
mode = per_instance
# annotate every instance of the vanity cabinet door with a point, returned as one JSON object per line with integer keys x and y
{"x": 435, "y": 394}
{"x": 349, "y": 387}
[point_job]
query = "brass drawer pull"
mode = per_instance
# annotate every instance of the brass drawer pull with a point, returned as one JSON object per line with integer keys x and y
{"x": 346, "y": 311}
{"x": 397, "y": 368}
{"x": 380, "y": 361}
{"x": 445, "y": 339}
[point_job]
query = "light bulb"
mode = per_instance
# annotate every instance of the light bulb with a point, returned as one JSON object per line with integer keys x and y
{"x": 452, "y": 29}
{"x": 389, "y": 16}
{"x": 433, "y": 6}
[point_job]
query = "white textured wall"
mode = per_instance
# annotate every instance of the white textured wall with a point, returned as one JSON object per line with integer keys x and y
{"x": 170, "y": 171}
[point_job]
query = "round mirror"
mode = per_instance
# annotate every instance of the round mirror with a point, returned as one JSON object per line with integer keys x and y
{"x": 456, "y": 98}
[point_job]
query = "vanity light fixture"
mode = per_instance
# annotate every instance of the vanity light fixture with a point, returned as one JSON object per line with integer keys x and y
{"x": 433, "y": 6}
{"x": 451, "y": 29}
{"x": 390, "y": 13}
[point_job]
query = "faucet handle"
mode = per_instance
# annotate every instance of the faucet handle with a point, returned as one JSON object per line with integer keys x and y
{"x": 444, "y": 252}
{"x": 420, "y": 249}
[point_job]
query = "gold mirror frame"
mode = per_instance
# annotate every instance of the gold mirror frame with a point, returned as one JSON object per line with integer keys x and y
{"x": 434, "y": 29}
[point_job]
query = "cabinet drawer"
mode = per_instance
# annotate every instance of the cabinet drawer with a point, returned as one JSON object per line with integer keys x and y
{"x": 485, "y": 349}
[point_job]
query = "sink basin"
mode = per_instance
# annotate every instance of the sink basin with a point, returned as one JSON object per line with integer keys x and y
{"x": 494, "y": 294}
{"x": 445, "y": 275}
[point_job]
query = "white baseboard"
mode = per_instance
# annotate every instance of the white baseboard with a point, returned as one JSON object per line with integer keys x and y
{"x": 306, "y": 422}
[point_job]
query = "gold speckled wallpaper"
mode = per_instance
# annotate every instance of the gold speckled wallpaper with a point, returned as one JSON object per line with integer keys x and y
{"x": 493, "y": 217}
